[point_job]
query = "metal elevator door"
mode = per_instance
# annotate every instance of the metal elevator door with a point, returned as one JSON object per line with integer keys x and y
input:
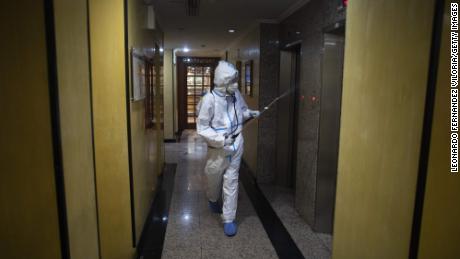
{"x": 286, "y": 139}
{"x": 329, "y": 129}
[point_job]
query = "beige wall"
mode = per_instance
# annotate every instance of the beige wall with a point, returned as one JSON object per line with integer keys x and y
{"x": 248, "y": 48}
{"x": 169, "y": 95}
{"x": 159, "y": 105}
{"x": 440, "y": 231}
{"x": 29, "y": 221}
{"x": 110, "y": 127}
{"x": 146, "y": 156}
{"x": 28, "y": 215}
{"x": 386, "y": 64}
{"x": 75, "y": 119}
{"x": 174, "y": 84}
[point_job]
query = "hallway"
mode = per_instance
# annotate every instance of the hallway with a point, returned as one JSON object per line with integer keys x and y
{"x": 324, "y": 123}
{"x": 194, "y": 232}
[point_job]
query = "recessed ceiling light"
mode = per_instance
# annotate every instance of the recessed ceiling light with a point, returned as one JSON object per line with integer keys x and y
{"x": 185, "y": 49}
{"x": 231, "y": 30}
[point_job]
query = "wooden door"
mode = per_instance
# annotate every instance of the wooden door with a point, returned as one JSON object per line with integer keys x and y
{"x": 195, "y": 79}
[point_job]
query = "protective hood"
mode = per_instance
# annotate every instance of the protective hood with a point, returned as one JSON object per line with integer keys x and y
{"x": 225, "y": 74}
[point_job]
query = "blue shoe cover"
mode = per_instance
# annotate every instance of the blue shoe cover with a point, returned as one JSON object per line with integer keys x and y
{"x": 215, "y": 207}
{"x": 230, "y": 229}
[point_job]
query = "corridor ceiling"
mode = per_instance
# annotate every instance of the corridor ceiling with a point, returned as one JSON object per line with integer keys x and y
{"x": 208, "y": 31}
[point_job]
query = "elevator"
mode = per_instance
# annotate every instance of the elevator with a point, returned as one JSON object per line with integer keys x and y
{"x": 329, "y": 126}
{"x": 329, "y": 97}
{"x": 286, "y": 139}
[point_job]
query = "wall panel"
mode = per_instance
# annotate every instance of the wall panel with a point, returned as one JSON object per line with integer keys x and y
{"x": 28, "y": 215}
{"x": 169, "y": 95}
{"x": 75, "y": 117}
{"x": 107, "y": 43}
{"x": 440, "y": 231}
{"x": 146, "y": 155}
{"x": 387, "y": 46}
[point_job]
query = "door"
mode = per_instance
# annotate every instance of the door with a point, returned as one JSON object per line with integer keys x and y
{"x": 195, "y": 77}
{"x": 287, "y": 119}
{"x": 329, "y": 128}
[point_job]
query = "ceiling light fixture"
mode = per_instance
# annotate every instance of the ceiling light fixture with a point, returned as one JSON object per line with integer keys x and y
{"x": 231, "y": 30}
{"x": 161, "y": 49}
{"x": 185, "y": 49}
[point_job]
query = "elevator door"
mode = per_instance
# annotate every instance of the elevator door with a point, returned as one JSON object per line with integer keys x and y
{"x": 329, "y": 128}
{"x": 286, "y": 139}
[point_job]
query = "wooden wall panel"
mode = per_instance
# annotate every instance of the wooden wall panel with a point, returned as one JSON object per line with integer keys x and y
{"x": 28, "y": 216}
{"x": 387, "y": 47}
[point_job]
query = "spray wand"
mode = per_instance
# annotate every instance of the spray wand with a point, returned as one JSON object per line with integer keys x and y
{"x": 266, "y": 108}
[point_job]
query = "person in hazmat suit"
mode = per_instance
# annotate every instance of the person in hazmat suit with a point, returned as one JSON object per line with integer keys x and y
{"x": 221, "y": 114}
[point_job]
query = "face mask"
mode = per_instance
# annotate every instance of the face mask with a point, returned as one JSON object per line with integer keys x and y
{"x": 231, "y": 88}
{"x": 220, "y": 88}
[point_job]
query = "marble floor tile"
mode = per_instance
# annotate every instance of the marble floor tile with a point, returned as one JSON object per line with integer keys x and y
{"x": 181, "y": 252}
{"x": 311, "y": 244}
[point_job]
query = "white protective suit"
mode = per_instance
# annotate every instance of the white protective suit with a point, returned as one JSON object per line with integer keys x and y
{"x": 222, "y": 113}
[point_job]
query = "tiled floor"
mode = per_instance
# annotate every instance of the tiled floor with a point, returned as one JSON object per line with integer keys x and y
{"x": 312, "y": 245}
{"x": 193, "y": 231}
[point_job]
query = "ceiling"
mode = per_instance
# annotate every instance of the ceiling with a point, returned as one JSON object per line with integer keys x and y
{"x": 208, "y": 31}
